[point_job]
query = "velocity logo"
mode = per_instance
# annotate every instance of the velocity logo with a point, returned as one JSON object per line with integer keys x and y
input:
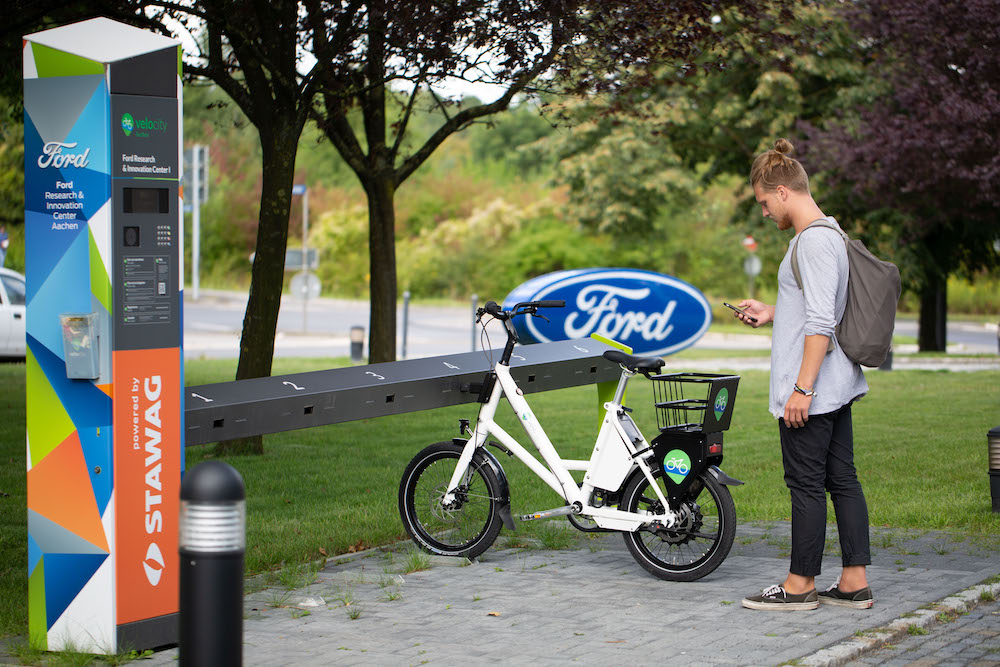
{"x": 721, "y": 401}
{"x": 676, "y": 464}
{"x": 141, "y": 126}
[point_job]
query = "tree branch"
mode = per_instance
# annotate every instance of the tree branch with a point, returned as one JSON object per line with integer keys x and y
{"x": 340, "y": 133}
{"x": 401, "y": 130}
{"x": 462, "y": 118}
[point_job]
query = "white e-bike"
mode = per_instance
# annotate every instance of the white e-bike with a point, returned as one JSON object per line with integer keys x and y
{"x": 668, "y": 497}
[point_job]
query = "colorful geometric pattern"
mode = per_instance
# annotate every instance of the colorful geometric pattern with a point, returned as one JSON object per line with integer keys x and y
{"x": 70, "y": 476}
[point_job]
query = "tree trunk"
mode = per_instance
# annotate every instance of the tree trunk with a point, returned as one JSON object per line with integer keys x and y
{"x": 381, "y": 190}
{"x": 261, "y": 319}
{"x": 933, "y": 333}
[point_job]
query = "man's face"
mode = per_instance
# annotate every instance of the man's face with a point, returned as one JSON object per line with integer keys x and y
{"x": 773, "y": 205}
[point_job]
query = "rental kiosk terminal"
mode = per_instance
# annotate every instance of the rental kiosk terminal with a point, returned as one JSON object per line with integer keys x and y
{"x": 102, "y": 121}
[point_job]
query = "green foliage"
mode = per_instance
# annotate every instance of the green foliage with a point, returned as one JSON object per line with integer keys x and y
{"x": 494, "y": 249}
{"x": 509, "y": 140}
{"x": 619, "y": 172}
{"x": 15, "y": 249}
{"x": 11, "y": 173}
{"x": 978, "y": 295}
{"x": 342, "y": 237}
{"x": 12, "y": 188}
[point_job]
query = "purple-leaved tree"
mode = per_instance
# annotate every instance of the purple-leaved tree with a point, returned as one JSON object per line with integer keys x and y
{"x": 926, "y": 155}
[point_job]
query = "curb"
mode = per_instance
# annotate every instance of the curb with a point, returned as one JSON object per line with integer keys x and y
{"x": 927, "y": 616}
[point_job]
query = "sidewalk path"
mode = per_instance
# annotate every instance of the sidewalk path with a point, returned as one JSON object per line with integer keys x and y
{"x": 212, "y": 328}
{"x": 521, "y": 603}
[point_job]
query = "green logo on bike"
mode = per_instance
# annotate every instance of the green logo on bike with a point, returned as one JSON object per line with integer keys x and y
{"x": 721, "y": 401}
{"x": 676, "y": 464}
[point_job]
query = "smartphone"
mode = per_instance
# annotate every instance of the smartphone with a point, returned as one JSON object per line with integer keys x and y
{"x": 741, "y": 312}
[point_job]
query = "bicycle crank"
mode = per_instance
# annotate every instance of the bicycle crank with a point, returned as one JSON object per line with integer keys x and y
{"x": 575, "y": 508}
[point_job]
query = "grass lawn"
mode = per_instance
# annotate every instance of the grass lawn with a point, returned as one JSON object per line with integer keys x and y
{"x": 920, "y": 444}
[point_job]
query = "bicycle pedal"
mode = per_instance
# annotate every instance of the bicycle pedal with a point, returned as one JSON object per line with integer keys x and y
{"x": 546, "y": 514}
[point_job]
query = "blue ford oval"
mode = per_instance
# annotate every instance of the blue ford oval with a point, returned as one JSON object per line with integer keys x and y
{"x": 653, "y": 313}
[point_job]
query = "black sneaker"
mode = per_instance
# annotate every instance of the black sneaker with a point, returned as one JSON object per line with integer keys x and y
{"x": 776, "y": 598}
{"x": 860, "y": 599}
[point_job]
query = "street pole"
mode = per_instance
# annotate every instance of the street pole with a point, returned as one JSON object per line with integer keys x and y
{"x": 406, "y": 320}
{"x": 195, "y": 221}
{"x": 475, "y": 299}
{"x": 305, "y": 255}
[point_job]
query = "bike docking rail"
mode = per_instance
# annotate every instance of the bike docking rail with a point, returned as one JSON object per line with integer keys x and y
{"x": 227, "y": 410}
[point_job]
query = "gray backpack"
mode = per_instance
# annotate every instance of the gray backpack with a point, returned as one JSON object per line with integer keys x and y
{"x": 873, "y": 287}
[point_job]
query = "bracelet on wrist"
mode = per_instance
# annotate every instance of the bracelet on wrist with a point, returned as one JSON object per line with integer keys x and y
{"x": 804, "y": 392}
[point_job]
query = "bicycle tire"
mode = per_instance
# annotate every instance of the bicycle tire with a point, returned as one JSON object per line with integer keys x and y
{"x": 469, "y": 528}
{"x": 698, "y": 544}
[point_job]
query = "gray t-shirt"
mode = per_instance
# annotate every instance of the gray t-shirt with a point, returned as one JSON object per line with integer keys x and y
{"x": 814, "y": 309}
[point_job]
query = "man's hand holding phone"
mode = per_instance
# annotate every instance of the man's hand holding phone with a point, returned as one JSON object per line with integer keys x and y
{"x": 752, "y": 312}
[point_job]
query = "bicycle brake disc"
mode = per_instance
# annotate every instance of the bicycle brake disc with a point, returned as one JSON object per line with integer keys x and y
{"x": 690, "y": 521}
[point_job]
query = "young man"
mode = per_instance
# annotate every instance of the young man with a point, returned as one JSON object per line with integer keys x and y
{"x": 813, "y": 384}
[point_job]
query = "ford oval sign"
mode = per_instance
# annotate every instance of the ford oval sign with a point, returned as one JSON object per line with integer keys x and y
{"x": 652, "y": 313}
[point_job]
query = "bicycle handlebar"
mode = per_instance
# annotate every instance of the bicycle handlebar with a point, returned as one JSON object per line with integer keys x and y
{"x": 492, "y": 308}
{"x": 505, "y": 316}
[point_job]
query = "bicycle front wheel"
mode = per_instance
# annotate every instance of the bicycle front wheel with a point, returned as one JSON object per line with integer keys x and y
{"x": 465, "y": 527}
{"x": 697, "y": 544}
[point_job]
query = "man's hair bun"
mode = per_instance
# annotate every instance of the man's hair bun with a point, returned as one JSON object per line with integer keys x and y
{"x": 777, "y": 167}
{"x": 784, "y": 146}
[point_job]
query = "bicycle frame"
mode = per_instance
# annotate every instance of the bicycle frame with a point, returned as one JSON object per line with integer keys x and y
{"x": 616, "y": 452}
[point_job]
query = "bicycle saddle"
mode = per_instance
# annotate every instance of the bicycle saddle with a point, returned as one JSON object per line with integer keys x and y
{"x": 633, "y": 363}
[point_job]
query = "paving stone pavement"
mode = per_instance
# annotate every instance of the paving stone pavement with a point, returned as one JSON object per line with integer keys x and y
{"x": 521, "y": 603}
{"x": 970, "y": 638}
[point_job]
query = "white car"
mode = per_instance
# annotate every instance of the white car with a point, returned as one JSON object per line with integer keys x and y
{"x": 12, "y": 308}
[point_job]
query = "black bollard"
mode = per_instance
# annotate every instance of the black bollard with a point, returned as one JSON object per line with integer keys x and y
{"x": 357, "y": 343}
{"x": 993, "y": 456}
{"x": 212, "y": 545}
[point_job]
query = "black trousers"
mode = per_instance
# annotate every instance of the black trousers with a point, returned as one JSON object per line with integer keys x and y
{"x": 819, "y": 457}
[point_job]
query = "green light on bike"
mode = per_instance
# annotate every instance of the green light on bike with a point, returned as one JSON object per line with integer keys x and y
{"x": 676, "y": 464}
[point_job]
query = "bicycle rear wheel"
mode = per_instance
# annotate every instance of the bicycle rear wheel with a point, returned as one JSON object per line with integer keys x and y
{"x": 469, "y": 525}
{"x": 697, "y": 544}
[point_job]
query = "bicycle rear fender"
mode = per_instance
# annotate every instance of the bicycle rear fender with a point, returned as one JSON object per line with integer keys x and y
{"x": 485, "y": 457}
{"x": 723, "y": 478}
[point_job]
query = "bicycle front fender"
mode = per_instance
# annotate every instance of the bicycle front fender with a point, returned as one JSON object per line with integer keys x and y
{"x": 485, "y": 457}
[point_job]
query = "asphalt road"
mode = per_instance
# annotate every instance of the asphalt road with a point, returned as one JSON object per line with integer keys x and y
{"x": 213, "y": 323}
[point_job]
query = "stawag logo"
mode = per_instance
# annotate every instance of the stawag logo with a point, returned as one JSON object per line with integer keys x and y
{"x": 650, "y": 312}
{"x": 152, "y": 431}
{"x": 153, "y": 564}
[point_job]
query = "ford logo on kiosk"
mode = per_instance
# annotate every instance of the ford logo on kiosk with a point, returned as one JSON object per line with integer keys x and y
{"x": 654, "y": 314}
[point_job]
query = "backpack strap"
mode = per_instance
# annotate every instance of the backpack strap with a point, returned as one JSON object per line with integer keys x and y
{"x": 819, "y": 222}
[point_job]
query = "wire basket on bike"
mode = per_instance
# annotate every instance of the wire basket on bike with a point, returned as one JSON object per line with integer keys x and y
{"x": 694, "y": 402}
